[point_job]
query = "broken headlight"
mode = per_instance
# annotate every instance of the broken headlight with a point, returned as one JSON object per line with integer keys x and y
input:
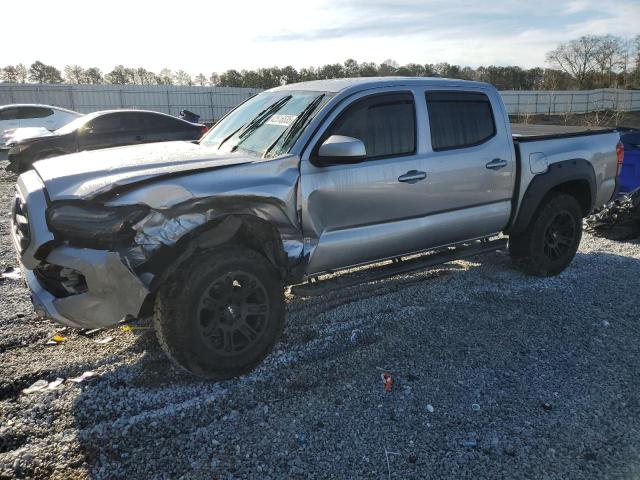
{"x": 85, "y": 222}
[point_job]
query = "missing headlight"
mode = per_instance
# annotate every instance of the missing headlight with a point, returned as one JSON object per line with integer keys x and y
{"x": 85, "y": 222}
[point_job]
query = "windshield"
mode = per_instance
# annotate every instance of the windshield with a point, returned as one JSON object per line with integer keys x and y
{"x": 74, "y": 125}
{"x": 267, "y": 124}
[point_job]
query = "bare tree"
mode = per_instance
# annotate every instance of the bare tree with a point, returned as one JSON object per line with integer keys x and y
{"x": 9, "y": 74}
{"x": 388, "y": 68}
{"x": 93, "y": 75}
{"x": 142, "y": 76}
{"x": 577, "y": 57}
{"x": 42, "y": 73}
{"x": 582, "y": 63}
{"x": 200, "y": 80}
{"x": 231, "y": 78}
{"x": 118, "y": 76}
{"x": 350, "y": 68}
{"x": 182, "y": 78}
{"x": 609, "y": 56}
{"x": 74, "y": 74}
{"x": 22, "y": 72}
{"x": 166, "y": 76}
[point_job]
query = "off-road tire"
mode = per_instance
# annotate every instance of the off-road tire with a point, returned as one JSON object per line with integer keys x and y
{"x": 179, "y": 315}
{"x": 533, "y": 250}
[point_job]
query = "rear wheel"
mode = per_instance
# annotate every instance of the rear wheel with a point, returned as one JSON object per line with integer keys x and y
{"x": 551, "y": 239}
{"x": 221, "y": 313}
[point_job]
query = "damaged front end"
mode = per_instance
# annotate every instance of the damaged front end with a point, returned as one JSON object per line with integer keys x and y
{"x": 254, "y": 205}
{"x": 74, "y": 284}
{"x": 93, "y": 260}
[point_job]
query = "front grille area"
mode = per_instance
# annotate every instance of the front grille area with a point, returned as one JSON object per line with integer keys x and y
{"x": 21, "y": 223}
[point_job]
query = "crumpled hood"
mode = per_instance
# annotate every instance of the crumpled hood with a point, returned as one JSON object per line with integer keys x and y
{"x": 85, "y": 175}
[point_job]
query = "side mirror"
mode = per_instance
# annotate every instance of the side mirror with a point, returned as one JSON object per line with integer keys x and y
{"x": 341, "y": 149}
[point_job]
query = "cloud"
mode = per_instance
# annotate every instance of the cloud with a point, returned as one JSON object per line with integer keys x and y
{"x": 480, "y": 20}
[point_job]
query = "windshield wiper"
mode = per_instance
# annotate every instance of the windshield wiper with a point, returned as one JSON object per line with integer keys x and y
{"x": 297, "y": 125}
{"x": 257, "y": 121}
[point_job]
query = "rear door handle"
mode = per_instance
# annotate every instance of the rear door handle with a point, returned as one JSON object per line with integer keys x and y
{"x": 412, "y": 176}
{"x": 496, "y": 164}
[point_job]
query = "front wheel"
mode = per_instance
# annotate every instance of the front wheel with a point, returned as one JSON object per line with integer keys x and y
{"x": 220, "y": 313}
{"x": 551, "y": 239}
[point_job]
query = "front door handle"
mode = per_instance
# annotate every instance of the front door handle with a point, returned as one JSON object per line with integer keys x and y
{"x": 412, "y": 176}
{"x": 139, "y": 137}
{"x": 496, "y": 164}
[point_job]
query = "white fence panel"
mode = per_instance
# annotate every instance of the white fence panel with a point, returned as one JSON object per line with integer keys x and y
{"x": 576, "y": 101}
{"x": 211, "y": 103}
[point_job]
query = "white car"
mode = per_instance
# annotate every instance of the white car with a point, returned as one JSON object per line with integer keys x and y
{"x": 17, "y": 116}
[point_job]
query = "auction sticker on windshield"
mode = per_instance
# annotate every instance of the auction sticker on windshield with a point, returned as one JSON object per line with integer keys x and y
{"x": 282, "y": 119}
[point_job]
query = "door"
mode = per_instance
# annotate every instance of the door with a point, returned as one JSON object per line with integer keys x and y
{"x": 470, "y": 164}
{"x": 108, "y": 130}
{"x": 355, "y": 213}
{"x": 136, "y": 128}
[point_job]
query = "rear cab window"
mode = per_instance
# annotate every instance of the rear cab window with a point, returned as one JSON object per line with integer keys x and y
{"x": 459, "y": 119}
{"x": 385, "y": 123}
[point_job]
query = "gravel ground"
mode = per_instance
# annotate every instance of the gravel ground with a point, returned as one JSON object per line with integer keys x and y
{"x": 550, "y": 366}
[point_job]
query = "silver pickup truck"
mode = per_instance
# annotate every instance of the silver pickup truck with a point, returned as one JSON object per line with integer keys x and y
{"x": 292, "y": 187}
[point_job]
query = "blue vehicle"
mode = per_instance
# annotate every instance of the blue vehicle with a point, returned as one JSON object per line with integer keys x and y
{"x": 630, "y": 174}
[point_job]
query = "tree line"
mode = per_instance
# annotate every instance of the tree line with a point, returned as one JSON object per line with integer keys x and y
{"x": 587, "y": 62}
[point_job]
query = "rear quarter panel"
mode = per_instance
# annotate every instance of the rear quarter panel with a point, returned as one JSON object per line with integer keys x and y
{"x": 598, "y": 149}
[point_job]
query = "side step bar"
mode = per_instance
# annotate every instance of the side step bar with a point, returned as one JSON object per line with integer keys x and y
{"x": 320, "y": 287}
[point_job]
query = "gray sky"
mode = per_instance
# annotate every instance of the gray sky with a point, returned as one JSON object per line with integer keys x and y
{"x": 211, "y": 36}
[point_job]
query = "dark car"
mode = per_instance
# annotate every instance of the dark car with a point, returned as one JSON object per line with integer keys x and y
{"x": 105, "y": 129}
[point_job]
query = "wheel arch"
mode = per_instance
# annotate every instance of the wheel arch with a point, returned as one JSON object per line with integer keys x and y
{"x": 243, "y": 229}
{"x": 574, "y": 177}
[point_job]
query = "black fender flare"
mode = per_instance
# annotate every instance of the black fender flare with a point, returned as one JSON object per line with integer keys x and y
{"x": 558, "y": 173}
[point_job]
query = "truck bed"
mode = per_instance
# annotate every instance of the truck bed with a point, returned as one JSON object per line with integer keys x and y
{"x": 524, "y": 132}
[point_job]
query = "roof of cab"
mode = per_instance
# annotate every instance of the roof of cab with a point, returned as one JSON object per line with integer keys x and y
{"x": 362, "y": 83}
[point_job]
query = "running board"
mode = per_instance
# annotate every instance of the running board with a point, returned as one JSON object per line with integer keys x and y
{"x": 320, "y": 287}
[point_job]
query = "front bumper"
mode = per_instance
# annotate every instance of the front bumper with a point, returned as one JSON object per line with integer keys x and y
{"x": 113, "y": 291}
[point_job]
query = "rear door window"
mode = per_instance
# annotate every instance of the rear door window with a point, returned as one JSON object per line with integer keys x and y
{"x": 459, "y": 119}
{"x": 163, "y": 123}
{"x": 384, "y": 123}
{"x": 133, "y": 121}
{"x": 106, "y": 123}
{"x": 34, "y": 112}
{"x": 9, "y": 114}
